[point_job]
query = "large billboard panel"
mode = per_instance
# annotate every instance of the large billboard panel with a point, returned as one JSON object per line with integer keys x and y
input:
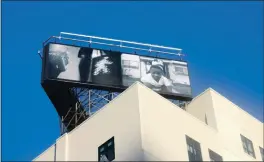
{"x": 116, "y": 69}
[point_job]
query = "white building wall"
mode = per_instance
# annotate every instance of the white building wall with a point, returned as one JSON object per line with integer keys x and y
{"x": 56, "y": 152}
{"x": 202, "y": 108}
{"x": 120, "y": 118}
{"x": 233, "y": 121}
{"x": 230, "y": 121}
{"x": 164, "y": 126}
{"x": 61, "y": 147}
{"x": 148, "y": 127}
{"x": 47, "y": 155}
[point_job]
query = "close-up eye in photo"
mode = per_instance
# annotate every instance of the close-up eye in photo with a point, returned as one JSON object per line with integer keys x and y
{"x": 132, "y": 81}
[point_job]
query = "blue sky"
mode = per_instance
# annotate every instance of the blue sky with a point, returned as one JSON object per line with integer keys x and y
{"x": 223, "y": 41}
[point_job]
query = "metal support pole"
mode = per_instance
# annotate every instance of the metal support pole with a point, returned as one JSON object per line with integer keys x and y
{"x": 76, "y": 111}
{"x": 61, "y": 125}
{"x": 89, "y": 102}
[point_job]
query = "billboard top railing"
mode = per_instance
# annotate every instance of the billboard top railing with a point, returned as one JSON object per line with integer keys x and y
{"x": 117, "y": 43}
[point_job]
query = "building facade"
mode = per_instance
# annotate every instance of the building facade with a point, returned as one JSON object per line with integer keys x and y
{"x": 141, "y": 125}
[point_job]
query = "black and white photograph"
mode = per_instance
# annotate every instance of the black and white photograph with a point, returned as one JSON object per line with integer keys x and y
{"x": 63, "y": 62}
{"x": 130, "y": 69}
{"x": 84, "y": 64}
{"x": 106, "y": 68}
{"x": 178, "y": 74}
{"x": 163, "y": 76}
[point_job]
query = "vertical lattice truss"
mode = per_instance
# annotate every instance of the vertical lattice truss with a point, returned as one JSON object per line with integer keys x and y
{"x": 89, "y": 102}
{"x": 92, "y": 100}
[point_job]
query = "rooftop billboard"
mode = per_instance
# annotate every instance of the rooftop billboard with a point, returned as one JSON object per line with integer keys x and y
{"x": 105, "y": 68}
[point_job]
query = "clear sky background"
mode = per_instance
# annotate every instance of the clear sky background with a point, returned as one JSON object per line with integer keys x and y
{"x": 223, "y": 41}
